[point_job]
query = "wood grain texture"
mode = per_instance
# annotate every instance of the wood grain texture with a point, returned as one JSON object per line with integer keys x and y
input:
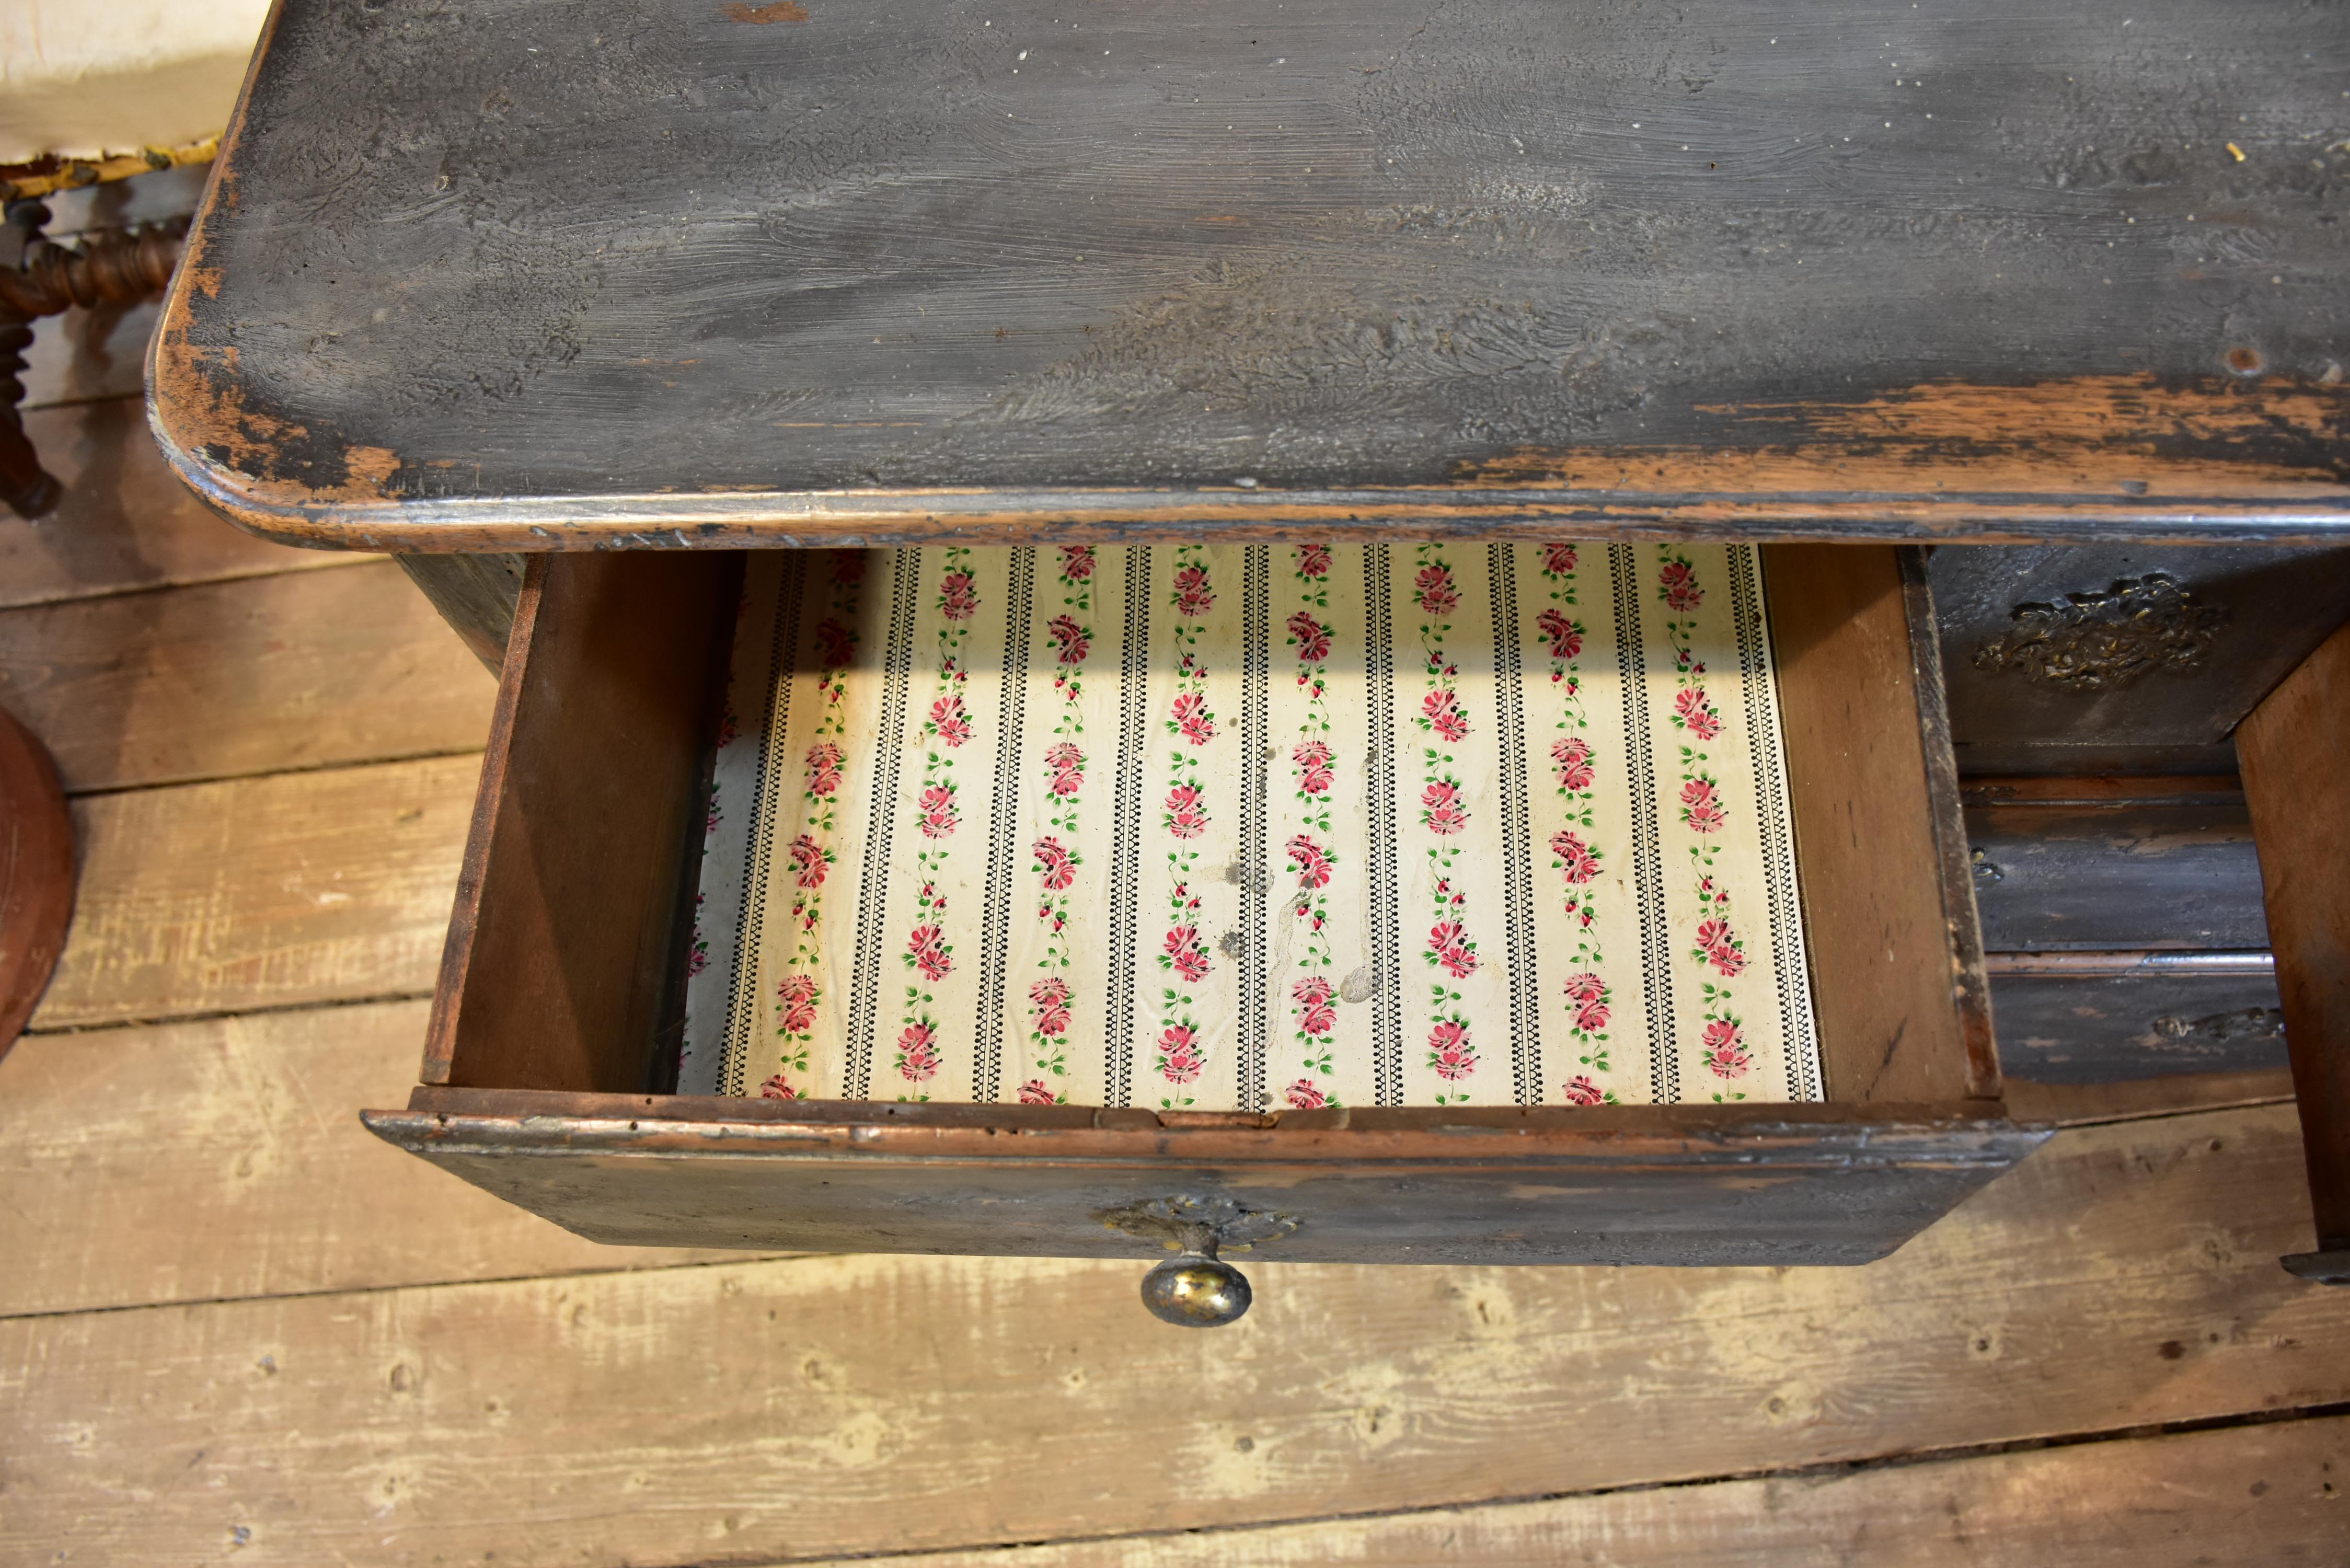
{"x": 2085, "y": 1029}
{"x": 268, "y": 892}
{"x": 2295, "y": 751}
{"x": 831, "y": 1406}
{"x": 263, "y": 675}
{"x": 1161, "y": 272}
{"x": 573, "y": 907}
{"x": 2075, "y": 1105}
{"x": 1889, "y": 975}
{"x": 126, "y": 522}
{"x": 233, "y": 1141}
{"x": 2054, "y": 878}
{"x": 2273, "y": 1493}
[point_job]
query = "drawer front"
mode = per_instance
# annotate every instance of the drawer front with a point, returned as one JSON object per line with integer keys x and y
{"x": 2143, "y": 1016}
{"x": 2111, "y": 658}
{"x": 2123, "y": 877}
{"x": 1646, "y": 1186}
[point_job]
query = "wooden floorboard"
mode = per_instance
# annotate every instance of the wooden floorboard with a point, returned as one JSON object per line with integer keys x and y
{"x": 2273, "y": 1493}
{"x": 126, "y": 522}
{"x": 232, "y": 1148}
{"x": 284, "y": 891}
{"x": 2124, "y": 1275}
{"x": 293, "y": 671}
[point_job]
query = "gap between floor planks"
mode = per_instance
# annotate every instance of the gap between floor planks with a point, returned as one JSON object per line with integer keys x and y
{"x": 278, "y": 889}
{"x": 272, "y": 674}
{"x": 250, "y": 1125}
{"x": 256, "y": 1113}
{"x": 2124, "y": 1276}
{"x": 2131, "y": 1501}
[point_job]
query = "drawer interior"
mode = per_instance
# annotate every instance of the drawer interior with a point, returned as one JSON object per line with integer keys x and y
{"x": 566, "y": 954}
{"x": 552, "y": 1057}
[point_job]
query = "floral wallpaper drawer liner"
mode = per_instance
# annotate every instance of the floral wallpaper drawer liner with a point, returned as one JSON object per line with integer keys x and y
{"x": 1236, "y": 826}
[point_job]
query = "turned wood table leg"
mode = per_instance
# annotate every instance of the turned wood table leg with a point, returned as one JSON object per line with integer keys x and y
{"x": 113, "y": 267}
{"x": 2294, "y": 752}
{"x": 24, "y": 487}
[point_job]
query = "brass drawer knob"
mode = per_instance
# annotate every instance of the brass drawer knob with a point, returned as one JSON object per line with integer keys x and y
{"x": 1196, "y": 1290}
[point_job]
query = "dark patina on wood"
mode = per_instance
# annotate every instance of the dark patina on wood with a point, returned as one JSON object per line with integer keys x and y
{"x": 1755, "y": 1185}
{"x": 2053, "y": 878}
{"x": 2110, "y": 1017}
{"x": 475, "y": 594}
{"x": 556, "y": 1010}
{"x": 479, "y": 276}
{"x": 2082, "y": 658}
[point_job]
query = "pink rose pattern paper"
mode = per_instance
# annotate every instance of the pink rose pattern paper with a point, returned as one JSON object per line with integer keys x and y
{"x": 1056, "y": 864}
{"x": 1261, "y": 826}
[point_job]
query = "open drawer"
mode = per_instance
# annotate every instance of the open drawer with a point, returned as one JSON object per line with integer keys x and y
{"x": 554, "y": 1040}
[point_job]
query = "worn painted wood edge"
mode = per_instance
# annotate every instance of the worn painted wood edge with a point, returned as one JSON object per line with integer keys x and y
{"x": 2109, "y": 964}
{"x": 1783, "y": 1194}
{"x": 2076, "y": 490}
{"x": 2134, "y": 1099}
{"x": 813, "y": 519}
{"x": 528, "y": 1122}
{"x": 2119, "y": 791}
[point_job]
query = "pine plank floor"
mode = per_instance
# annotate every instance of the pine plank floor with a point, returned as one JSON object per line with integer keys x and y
{"x": 235, "y": 1329}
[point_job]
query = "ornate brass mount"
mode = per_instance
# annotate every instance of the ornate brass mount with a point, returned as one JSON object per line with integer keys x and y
{"x": 111, "y": 267}
{"x": 2100, "y": 642}
{"x": 1196, "y": 1288}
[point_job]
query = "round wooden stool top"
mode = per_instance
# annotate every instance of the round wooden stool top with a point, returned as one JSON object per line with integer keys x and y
{"x": 37, "y": 875}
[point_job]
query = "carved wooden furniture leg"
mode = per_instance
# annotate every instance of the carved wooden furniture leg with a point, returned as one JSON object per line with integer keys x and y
{"x": 37, "y": 875}
{"x": 2294, "y": 750}
{"x": 114, "y": 266}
